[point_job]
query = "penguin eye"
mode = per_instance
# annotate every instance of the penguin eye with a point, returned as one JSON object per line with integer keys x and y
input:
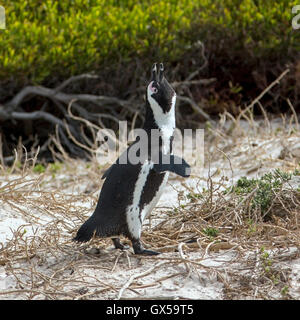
{"x": 155, "y": 90}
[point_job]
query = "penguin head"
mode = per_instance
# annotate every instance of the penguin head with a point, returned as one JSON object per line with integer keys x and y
{"x": 160, "y": 94}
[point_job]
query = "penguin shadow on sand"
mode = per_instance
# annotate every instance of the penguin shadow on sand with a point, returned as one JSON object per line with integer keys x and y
{"x": 131, "y": 190}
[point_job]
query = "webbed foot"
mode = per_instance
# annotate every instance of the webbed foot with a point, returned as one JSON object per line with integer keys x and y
{"x": 139, "y": 249}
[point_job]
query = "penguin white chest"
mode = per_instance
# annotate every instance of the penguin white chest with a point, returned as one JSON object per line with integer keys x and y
{"x": 166, "y": 133}
{"x": 133, "y": 217}
{"x": 164, "y": 120}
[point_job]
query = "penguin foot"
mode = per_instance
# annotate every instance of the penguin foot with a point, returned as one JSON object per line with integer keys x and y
{"x": 148, "y": 252}
{"x": 139, "y": 249}
{"x": 119, "y": 245}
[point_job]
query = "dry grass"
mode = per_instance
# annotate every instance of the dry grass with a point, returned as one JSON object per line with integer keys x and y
{"x": 42, "y": 262}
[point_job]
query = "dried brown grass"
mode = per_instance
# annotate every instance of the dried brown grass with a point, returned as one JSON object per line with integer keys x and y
{"x": 44, "y": 263}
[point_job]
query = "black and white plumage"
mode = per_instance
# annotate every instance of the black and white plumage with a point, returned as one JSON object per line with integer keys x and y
{"x": 131, "y": 191}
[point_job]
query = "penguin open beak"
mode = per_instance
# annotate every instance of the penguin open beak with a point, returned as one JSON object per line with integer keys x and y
{"x": 161, "y": 72}
{"x": 157, "y": 75}
{"x": 154, "y": 72}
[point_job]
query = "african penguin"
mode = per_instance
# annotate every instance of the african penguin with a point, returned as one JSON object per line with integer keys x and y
{"x": 131, "y": 191}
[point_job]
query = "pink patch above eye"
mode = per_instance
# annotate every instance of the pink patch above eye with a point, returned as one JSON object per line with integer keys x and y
{"x": 152, "y": 89}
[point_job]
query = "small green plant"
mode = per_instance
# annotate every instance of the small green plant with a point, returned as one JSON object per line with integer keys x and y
{"x": 296, "y": 172}
{"x": 266, "y": 261}
{"x": 267, "y": 264}
{"x": 39, "y": 168}
{"x": 284, "y": 291}
{"x": 235, "y": 89}
{"x": 211, "y": 232}
{"x": 194, "y": 196}
{"x": 55, "y": 167}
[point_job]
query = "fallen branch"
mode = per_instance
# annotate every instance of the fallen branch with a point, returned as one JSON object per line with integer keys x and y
{"x": 62, "y": 97}
{"x": 113, "y": 109}
{"x": 37, "y": 115}
{"x": 75, "y": 78}
{"x": 193, "y": 82}
{"x": 257, "y": 99}
{"x": 194, "y": 106}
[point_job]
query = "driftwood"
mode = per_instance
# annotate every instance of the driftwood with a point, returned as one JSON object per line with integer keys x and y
{"x": 71, "y": 134}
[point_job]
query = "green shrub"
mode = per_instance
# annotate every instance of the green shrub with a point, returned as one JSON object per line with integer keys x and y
{"x": 266, "y": 186}
{"x": 211, "y": 232}
{"x": 62, "y": 38}
{"x": 39, "y": 168}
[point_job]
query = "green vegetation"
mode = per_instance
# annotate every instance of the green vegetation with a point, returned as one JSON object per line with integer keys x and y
{"x": 192, "y": 196}
{"x": 62, "y": 38}
{"x": 211, "y": 232}
{"x": 39, "y": 168}
{"x": 265, "y": 259}
{"x": 263, "y": 189}
{"x": 52, "y": 167}
{"x": 55, "y": 167}
{"x": 272, "y": 273}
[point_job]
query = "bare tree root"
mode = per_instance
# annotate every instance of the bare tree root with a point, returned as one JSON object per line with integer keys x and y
{"x": 76, "y": 131}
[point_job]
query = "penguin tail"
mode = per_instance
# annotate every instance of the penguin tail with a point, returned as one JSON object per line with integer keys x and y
{"x": 86, "y": 231}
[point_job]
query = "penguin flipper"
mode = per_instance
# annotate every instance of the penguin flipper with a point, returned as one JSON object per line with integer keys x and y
{"x": 106, "y": 172}
{"x": 173, "y": 164}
